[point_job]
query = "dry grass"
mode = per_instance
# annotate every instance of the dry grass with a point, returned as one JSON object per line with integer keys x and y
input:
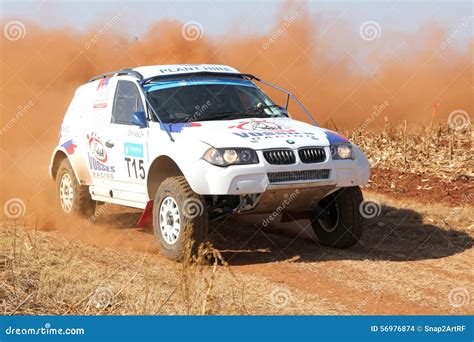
{"x": 43, "y": 273}
{"x": 435, "y": 149}
{"x": 407, "y": 265}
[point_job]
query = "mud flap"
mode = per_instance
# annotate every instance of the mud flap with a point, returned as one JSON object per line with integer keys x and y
{"x": 145, "y": 219}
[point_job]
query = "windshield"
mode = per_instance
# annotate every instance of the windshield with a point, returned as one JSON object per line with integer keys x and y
{"x": 203, "y": 100}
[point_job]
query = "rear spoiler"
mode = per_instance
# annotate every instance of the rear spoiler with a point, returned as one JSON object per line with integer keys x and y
{"x": 121, "y": 72}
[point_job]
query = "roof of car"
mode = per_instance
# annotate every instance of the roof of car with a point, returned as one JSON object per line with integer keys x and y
{"x": 159, "y": 71}
{"x": 175, "y": 69}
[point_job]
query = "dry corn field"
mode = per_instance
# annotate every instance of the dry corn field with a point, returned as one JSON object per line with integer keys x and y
{"x": 415, "y": 256}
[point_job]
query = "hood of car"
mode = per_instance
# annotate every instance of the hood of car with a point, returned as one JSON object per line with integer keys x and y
{"x": 254, "y": 133}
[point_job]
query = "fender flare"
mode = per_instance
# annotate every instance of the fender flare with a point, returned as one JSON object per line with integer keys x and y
{"x": 171, "y": 168}
{"x": 60, "y": 153}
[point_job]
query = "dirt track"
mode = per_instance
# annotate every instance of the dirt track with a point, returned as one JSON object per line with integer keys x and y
{"x": 413, "y": 259}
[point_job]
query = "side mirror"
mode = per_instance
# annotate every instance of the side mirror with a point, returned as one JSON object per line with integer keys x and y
{"x": 139, "y": 119}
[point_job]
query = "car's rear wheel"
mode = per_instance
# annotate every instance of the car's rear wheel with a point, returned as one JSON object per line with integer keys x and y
{"x": 336, "y": 220}
{"x": 179, "y": 218}
{"x": 72, "y": 197}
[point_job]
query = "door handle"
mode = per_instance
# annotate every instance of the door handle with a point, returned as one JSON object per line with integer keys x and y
{"x": 109, "y": 144}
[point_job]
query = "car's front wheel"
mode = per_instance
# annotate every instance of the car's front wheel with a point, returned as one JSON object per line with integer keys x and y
{"x": 179, "y": 218}
{"x": 336, "y": 220}
{"x": 72, "y": 197}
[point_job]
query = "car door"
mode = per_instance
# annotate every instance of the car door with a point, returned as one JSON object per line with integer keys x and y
{"x": 121, "y": 146}
{"x": 126, "y": 141}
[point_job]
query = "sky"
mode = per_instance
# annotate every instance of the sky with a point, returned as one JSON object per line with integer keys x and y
{"x": 218, "y": 17}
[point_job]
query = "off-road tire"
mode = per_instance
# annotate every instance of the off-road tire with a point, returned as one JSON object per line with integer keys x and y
{"x": 82, "y": 204}
{"x": 193, "y": 228}
{"x": 347, "y": 230}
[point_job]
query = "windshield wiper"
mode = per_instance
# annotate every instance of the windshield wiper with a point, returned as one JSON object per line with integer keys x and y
{"x": 224, "y": 115}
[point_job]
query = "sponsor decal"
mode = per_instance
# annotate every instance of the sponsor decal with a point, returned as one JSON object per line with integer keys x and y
{"x": 195, "y": 68}
{"x": 262, "y": 125}
{"x": 134, "y": 133}
{"x": 98, "y": 158}
{"x": 69, "y": 146}
{"x": 102, "y": 94}
{"x": 258, "y": 129}
{"x": 133, "y": 150}
{"x": 100, "y": 170}
{"x": 97, "y": 148}
{"x": 102, "y": 83}
{"x": 334, "y": 137}
{"x": 100, "y": 105}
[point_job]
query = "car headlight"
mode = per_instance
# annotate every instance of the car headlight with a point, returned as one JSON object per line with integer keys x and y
{"x": 230, "y": 156}
{"x": 342, "y": 151}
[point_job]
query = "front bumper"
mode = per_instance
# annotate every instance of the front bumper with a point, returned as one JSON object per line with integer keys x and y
{"x": 208, "y": 179}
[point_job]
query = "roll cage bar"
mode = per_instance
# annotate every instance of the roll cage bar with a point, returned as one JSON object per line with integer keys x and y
{"x": 289, "y": 95}
{"x": 142, "y": 81}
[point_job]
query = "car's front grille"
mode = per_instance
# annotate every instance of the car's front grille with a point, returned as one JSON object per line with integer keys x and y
{"x": 312, "y": 154}
{"x": 294, "y": 176}
{"x": 280, "y": 157}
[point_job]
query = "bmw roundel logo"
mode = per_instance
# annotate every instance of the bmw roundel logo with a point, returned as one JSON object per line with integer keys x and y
{"x": 291, "y": 142}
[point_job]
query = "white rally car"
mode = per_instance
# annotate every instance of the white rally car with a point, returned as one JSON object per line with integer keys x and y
{"x": 195, "y": 143}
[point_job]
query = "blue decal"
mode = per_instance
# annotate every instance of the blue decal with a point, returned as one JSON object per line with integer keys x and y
{"x": 183, "y": 83}
{"x": 242, "y": 135}
{"x": 69, "y": 146}
{"x": 178, "y": 127}
{"x": 133, "y": 150}
{"x": 334, "y": 137}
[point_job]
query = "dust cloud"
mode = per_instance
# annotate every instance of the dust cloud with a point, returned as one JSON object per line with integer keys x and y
{"x": 339, "y": 76}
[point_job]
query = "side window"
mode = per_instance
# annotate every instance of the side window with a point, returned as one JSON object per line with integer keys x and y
{"x": 127, "y": 101}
